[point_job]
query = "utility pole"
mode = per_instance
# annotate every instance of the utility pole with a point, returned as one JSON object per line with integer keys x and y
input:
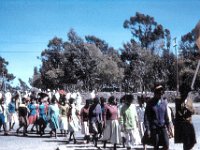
{"x": 177, "y": 72}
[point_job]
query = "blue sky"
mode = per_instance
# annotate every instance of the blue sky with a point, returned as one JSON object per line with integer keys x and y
{"x": 26, "y": 26}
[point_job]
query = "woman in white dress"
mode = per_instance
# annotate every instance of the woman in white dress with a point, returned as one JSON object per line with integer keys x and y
{"x": 64, "y": 108}
{"x": 73, "y": 119}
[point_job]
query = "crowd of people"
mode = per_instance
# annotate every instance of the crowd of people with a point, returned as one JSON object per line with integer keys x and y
{"x": 119, "y": 121}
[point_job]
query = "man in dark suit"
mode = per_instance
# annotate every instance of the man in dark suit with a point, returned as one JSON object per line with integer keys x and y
{"x": 156, "y": 119}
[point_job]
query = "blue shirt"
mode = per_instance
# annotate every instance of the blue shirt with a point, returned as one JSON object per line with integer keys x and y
{"x": 42, "y": 110}
{"x": 11, "y": 107}
{"x": 156, "y": 114}
{"x": 32, "y": 108}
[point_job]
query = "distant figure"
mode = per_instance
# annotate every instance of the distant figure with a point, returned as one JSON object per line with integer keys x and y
{"x": 18, "y": 100}
{"x": 102, "y": 103}
{"x": 85, "y": 121}
{"x": 8, "y": 98}
{"x": 95, "y": 120}
{"x": 42, "y": 118}
{"x": 184, "y": 129}
{"x": 92, "y": 94}
{"x": 32, "y": 117}
{"x": 73, "y": 119}
{"x": 120, "y": 105}
{"x": 23, "y": 117}
{"x": 3, "y": 115}
{"x": 12, "y": 114}
{"x": 156, "y": 120}
{"x": 64, "y": 108}
{"x": 140, "y": 112}
{"x": 53, "y": 116}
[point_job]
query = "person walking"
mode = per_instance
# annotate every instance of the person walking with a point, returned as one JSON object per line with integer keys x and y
{"x": 23, "y": 117}
{"x": 184, "y": 129}
{"x": 53, "y": 116}
{"x": 84, "y": 114}
{"x": 140, "y": 112}
{"x": 129, "y": 122}
{"x": 3, "y": 115}
{"x": 11, "y": 114}
{"x": 42, "y": 118}
{"x": 95, "y": 120}
{"x": 156, "y": 119}
{"x": 32, "y": 117}
{"x": 63, "y": 122}
{"x": 111, "y": 132}
{"x": 73, "y": 119}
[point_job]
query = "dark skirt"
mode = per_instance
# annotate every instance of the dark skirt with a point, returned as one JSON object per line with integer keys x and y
{"x": 185, "y": 133}
{"x": 95, "y": 127}
{"x": 23, "y": 121}
{"x": 159, "y": 137}
{"x": 188, "y": 135}
{"x": 146, "y": 139}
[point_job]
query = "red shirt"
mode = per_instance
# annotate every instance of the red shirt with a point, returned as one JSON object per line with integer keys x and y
{"x": 111, "y": 112}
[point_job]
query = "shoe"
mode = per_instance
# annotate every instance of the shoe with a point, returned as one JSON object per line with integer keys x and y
{"x": 25, "y": 134}
{"x": 32, "y": 130}
{"x": 51, "y": 133}
{"x": 95, "y": 144}
{"x": 6, "y": 134}
{"x": 17, "y": 131}
{"x": 88, "y": 141}
{"x": 75, "y": 142}
{"x": 41, "y": 133}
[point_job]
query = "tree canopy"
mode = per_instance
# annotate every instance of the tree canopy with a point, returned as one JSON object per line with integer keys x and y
{"x": 5, "y": 76}
{"x": 91, "y": 63}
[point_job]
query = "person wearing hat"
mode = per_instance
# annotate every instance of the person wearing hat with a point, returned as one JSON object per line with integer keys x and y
{"x": 156, "y": 120}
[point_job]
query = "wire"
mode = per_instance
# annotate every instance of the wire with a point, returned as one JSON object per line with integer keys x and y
{"x": 20, "y": 52}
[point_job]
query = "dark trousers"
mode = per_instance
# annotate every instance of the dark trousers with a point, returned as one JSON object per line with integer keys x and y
{"x": 160, "y": 137}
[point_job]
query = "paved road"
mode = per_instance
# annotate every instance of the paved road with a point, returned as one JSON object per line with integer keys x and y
{"x": 35, "y": 142}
